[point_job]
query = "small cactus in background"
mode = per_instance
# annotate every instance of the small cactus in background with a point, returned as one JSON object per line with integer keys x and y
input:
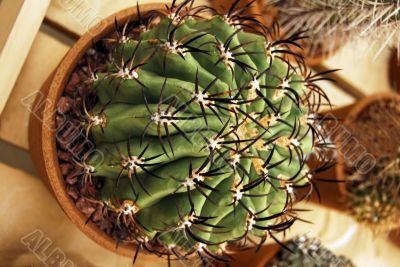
{"x": 332, "y": 23}
{"x": 307, "y": 252}
{"x": 374, "y": 198}
{"x": 202, "y": 131}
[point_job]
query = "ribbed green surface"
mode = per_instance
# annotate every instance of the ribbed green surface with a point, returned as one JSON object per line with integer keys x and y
{"x": 171, "y": 150}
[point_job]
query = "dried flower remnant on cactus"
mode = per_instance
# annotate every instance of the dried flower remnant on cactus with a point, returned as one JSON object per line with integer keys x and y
{"x": 204, "y": 127}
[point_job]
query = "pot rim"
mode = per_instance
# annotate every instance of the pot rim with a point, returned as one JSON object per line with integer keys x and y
{"x": 48, "y": 158}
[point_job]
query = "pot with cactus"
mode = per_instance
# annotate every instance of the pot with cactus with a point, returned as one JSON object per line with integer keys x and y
{"x": 174, "y": 132}
{"x": 368, "y": 164}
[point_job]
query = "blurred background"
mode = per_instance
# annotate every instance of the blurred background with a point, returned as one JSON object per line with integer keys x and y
{"x": 36, "y": 34}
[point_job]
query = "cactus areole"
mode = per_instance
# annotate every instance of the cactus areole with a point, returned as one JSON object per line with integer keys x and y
{"x": 202, "y": 129}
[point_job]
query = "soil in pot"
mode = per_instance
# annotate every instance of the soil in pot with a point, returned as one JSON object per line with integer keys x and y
{"x": 72, "y": 140}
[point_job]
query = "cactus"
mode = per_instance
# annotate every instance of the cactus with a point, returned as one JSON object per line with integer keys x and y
{"x": 374, "y": 198}
{"x": 308, "y": 252}
{"x": 340, "y": 21}
{"x": 202, "y": 130}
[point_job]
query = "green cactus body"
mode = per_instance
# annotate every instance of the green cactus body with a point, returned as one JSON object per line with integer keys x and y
{"x": 204, "y": 132}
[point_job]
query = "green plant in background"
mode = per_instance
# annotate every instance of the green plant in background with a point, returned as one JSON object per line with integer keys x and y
{"x": 308, "y": 252}
{"x": 204, "y": 128}
{"x": 332, "y": 22}
{"x": 374, "y": 198}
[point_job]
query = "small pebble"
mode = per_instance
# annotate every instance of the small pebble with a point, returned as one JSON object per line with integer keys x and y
{"x": 60, "y": 120}
{"x": 65, "y": 156}
{"x": 72, "y": 192}
{"x": 66, "y": 168}
{"x": 64, "y": 104}
{"x": 70, "y": 88}
{"x": 86, "y": 207}
{"x": 98, "y": 215}
{"x": 71, "y": 179}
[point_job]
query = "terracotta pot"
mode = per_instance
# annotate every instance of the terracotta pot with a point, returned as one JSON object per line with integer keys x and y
{"x": 394, "y": 70}
{"x": 394, "y": 237}
{"x": 350, "y": 118}
{"x": 42, "y": 131}
{"x": 333, "y": 195}
{"x": 355, "y": 112}
{"x": 252, "y": 258}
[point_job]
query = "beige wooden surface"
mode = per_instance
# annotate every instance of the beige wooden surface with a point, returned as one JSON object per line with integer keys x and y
{"x": 47, "y": 50}
{"x": 79, "y": 15}
{"x": 19, "y": 40}
{"x": 9, "y": 11}
{"x": 28, "y": 206}
{"x": 363, "y": 64}
{"x": 21, "y": 189}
